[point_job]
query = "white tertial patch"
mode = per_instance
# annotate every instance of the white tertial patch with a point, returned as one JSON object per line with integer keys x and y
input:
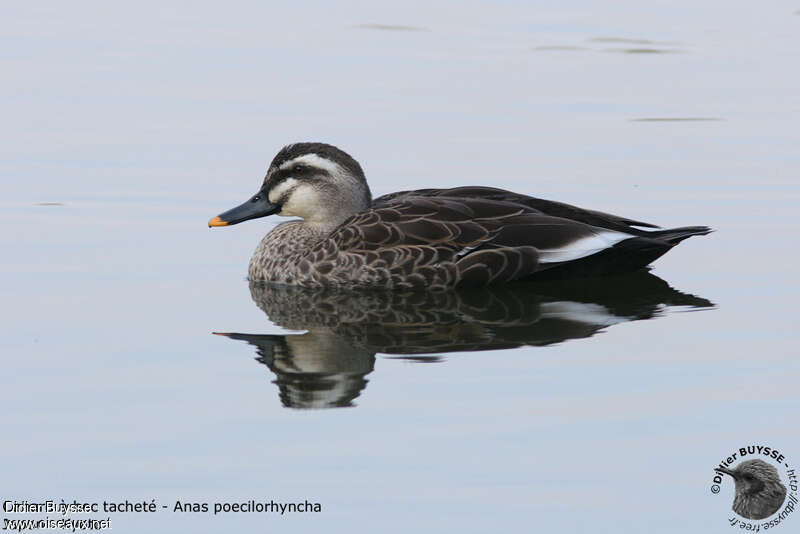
{"x": 313, "y": 160}
{"x": 466, "y": 250}
{"x": 585, "y": 246}
{"x": 277, "y": 192}
{"x": 581, "y": 312}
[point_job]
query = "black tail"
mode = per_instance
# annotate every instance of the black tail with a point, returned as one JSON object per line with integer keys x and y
{"x": 676, "y": 235}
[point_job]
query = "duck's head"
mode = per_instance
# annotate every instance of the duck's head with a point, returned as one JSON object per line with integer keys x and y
{"x": 315, "y": 181}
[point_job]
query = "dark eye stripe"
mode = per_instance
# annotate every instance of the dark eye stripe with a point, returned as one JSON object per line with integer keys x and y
{"x": 299, "y": 172}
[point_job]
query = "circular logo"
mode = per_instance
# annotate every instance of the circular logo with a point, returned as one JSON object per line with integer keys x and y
{"x": 761, "y": 483}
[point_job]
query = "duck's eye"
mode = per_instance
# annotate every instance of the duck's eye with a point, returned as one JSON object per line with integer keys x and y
{"x": 299, "y": 168}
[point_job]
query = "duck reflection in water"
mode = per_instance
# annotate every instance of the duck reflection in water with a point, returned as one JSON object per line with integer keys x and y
{"x": 326, "y": 366}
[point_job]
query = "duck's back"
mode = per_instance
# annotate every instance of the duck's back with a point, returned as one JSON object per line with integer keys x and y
{"x": 546, "y": 207}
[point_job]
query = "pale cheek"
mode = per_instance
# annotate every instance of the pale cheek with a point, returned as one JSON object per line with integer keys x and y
{"x": 302, "y": 202}
{"x": 279, "y": 190}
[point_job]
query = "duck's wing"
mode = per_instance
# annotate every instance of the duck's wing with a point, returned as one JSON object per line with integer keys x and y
{"x": 546, "y": 207}
{"x": 439, "y": 240}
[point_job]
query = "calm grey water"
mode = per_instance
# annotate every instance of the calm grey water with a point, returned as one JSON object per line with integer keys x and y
{"x": 126, "y": 127}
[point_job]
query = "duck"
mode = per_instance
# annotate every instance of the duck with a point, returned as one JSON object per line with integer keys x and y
{"x": 428, "y": 239}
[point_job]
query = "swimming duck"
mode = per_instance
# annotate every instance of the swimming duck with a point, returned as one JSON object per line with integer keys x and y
{"x": 428, "y": 238}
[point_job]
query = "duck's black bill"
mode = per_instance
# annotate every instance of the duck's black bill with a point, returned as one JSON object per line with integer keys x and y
{"x": 258, "y": 206}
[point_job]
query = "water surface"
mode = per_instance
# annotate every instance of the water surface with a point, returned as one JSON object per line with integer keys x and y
{"x": 126, "y": 127}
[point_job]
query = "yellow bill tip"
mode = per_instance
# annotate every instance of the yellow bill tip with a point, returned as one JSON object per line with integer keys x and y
{"x": 216, "y": 221}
